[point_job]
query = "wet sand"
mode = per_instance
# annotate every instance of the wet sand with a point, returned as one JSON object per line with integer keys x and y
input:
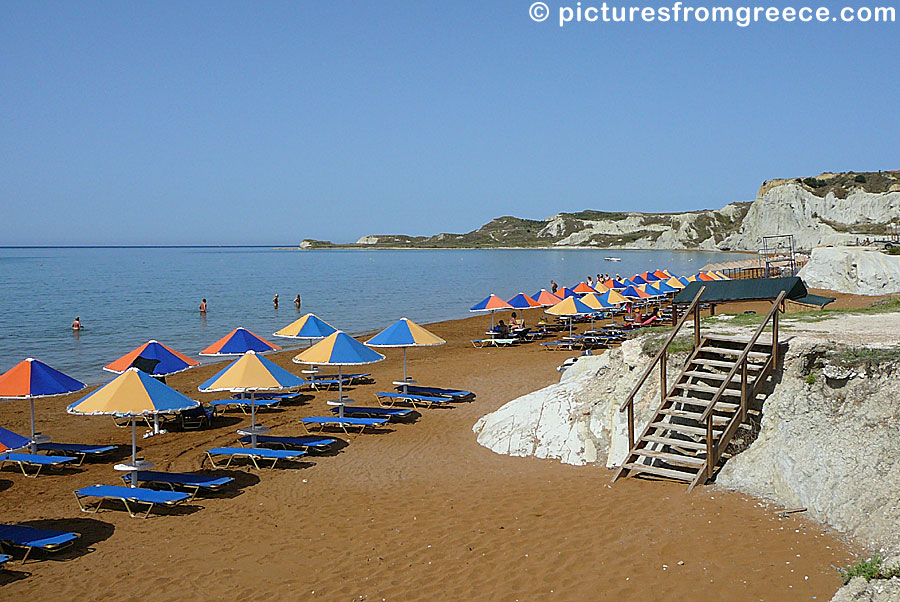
{"x": 418, "y": 512}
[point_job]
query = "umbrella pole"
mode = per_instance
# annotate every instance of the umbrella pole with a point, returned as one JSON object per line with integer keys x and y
{"x": 341, "y": 391}
{"x": 156, "y": 424}
{"x": 252, "y": 421}
{"x": 33, "y": 442}
{"x": 134, "y": 473}
{"x": 404, "y": 372}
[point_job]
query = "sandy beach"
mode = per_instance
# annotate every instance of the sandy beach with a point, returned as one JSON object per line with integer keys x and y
{"x": 417, "y": 512}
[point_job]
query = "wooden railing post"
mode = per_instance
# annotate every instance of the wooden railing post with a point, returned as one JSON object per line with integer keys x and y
{"x": 775, "y": 338}
{"x": 696, "y": 326}
{"x": 663, "y": 388}
{"x": 710, "y": 453}
{"x": 631, "y": 425}
{"x": 744, "y": 399}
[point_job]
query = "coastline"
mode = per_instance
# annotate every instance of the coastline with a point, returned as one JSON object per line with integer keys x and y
{"x": 355, "y": 247}
{"x": 418, "y": 512}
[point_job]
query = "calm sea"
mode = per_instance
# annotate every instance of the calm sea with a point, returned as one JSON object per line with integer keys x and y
{"x": 126, "y": 296}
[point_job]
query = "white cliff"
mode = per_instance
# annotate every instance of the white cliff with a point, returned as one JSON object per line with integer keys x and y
{"x": 856, "y": 270}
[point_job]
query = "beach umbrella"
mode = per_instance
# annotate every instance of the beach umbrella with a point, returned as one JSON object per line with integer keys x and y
{"x": 705, "y": 277}
{"x": 684, "y": 281}
{"x": 238, "y": 342}
{"x": 248, "y": 374}
{"x": 612, "y": 298}
{"x": 405, "y": 333}
{"x": 634, "y": 293}
{"x": 546, "y": 298}
{"x": 491, "y": 303}
{"x": 665, "y": 288}
{"x": 340, "y": 349}
{"x": 565, "y": 293}
{"x": 570, "y": 307}
{"x": 594, "y": 301}
{"x": 662, "y": 274}
{"x": 675, "y": 283}
{"x": 132, "y": 393}
{"x": 31, "y": 378}
{"x": 637, "y": 279}
{"x": 721, "y": 275}
{"x": 169, "y": 361}
{"x": 583, "y": 288}
{"x": 615, "y": 284}
{"x": 309, "y": 327}
{"x": 650, "y": 277}
{"x": 10, "y": 440}
{"x": 649, "y": 289}
{"x": 600, "y": 288}
{"x": 523, "y": 301}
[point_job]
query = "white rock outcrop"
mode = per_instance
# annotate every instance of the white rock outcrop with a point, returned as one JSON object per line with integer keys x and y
{"x": 876, "y": 590}
{"x": 856, "y": 270}
{"x": 576, "y": 421}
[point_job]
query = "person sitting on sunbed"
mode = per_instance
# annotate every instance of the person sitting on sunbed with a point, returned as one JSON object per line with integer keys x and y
{"x": 502, "y": 330}
{"x": 515, "y": 322}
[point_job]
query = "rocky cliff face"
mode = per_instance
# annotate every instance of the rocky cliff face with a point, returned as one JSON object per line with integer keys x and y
{"x": 854, "y": 270}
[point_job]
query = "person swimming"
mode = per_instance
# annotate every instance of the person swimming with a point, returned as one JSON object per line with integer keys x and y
{"x": 297, "y": 301}
{"x": 76, "y": 325}
{"x": 275, "y": 300}
{"x": 203, "y": 306}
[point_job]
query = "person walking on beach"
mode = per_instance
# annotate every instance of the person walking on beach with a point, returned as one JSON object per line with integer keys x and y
{"x": 275, "y": 300}
{"x": 297, "y": 301}
{"x": 203, "y": 306}
{"x": 76, "y": 325}
{"x": 553, "y": 287}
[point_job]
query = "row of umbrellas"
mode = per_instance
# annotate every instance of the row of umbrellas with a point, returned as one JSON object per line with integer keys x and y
{"x": 137, "y": 392}
{"x": 584, "y": 299}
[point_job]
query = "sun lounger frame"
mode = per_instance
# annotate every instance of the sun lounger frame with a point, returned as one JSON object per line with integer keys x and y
{"x": 247, "y": 452}
{"x": 95, "y": 508}
{"x": 342, "y": 423}
{"x": 81, "y": 455}
{"x": 425, "y": 401}
{"x": 193, "y": 490}
{"x": 22, "y": 462}
{"x": 52, "y": 548}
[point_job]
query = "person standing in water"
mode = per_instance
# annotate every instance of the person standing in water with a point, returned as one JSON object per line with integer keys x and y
{"x": 76, "y": 325}
{"x": 297, "y": 301}
{"x": 275, "y": 300}
{"x": 203, "y": 306}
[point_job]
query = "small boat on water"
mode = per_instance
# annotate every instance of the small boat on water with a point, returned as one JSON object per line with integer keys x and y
{"x": 612, "y": 258}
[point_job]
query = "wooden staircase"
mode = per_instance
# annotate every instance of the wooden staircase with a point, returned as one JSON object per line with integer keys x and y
{"x": 707, "y": 404}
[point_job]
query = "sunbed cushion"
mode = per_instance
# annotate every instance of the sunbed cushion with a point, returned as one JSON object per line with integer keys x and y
{"x": 23, "y": 535}
{"x": 345, "y": 420}
{"x": 373, "y": 411}
{"x": 290, "y": 441}
{"x": 244, "y": 402}
{"x": 76, "y": 447}
{"x": 436, "y": 391}
{"x": 36, "y": 459}
{"x": 426, "y": 398}
{"x": 118, "y": 492}
{"x": 181, "y": 478}
{"x": 259, "y": 452}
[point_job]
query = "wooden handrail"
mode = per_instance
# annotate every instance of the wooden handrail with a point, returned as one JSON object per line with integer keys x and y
{"x": 662, "y": 351}
{"x": 743, "y": 357}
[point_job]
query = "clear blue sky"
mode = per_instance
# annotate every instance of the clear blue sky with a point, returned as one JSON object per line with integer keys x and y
{"x": 269, "y": 122}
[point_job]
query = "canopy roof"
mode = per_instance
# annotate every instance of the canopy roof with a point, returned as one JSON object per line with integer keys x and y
{"x": 169, "y": 360}
{"x": 252, "y": 372}
{"x": 490, "y": 303}
{"x": 405, "y": 333}
{"x": 753, "y": 289}
{"x": 132, "y": 393}
{"x": 571, "y": 306}
{"x": 34, "y": 378}
{"x": 309, "y": 326}
{"x": 546, "y": 298}
{"x": 523, "y": 301}
{"x": 238, "y": 342}
{"x": 10, "y": 440}
{"x": 339, "y": 349}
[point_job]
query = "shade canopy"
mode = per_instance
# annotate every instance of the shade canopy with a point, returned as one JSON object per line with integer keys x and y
{"x": 309, "y": 326}
{"x": 665, "y": 287}
{"x": 339, "y": 349}
{"x": 33, "y": 378}
{"x": 571, "y": 306}
{"x": 132, "y": 393}
{"x": 10, "y": 440}
{"x": 638, "y": 279}
{"x": 650, "y": 276}
{"x": 705, "y": 277}
{"x": 523, "y": 301}
{"x": 675, "y": 283}
{"x": 565, "y": 293}
{"x": 583, "y": 288}
{"x": 650, "y": 290}
{"x": 491, "y": 303}
{"x": 594, "y": 301}
{"x": 662, "y": 274}
{"x": 546, "y": 298}
{"x": 238, "y": 342}
{"x": 615, "y": 284}
{"x": 612, "y": 297}
{"x": 635, "y": 293}
{"x": 405, "y": 333}
{"x": 251, "y": 372}
{"x": 169, "y": 361}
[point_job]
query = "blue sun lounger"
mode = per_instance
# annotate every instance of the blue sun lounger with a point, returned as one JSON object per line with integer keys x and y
{"x": 327, "y": 383}
{"x": 304, "y": 443}
{"x": 436, "y": 391}
{"x": 4, "y": 558}
{"x": 132, "y": 497}
{"x": 377, "y": 412}
{"x": 348, "y": 378}
{"x": 267, "y": 396}
{"x": 193, "y": 483}
{"x": 32, "y": 538}
{"x": 342, "y": 423}
{"x": 244, "y": 404}
{"x": 253, "y": 454}
{"x": 76, "y": 449}
{"x": 425, "y": 400}
{"x": 35, "y": 460}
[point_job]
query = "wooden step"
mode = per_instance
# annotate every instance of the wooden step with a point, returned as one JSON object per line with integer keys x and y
{"x": 675, "y": 442}
{"x": 703, "y": 361}
{"x": 723, "y": 420}
{"x": 676, "y": 459}
{"x": 713, "y": 375}
{"x": 756, "y": 355}
{"x": 742, "y": 340}
{"x": 708, "y": 389}
{"x": 662, "y": 472}
{"x": 722, "y": 405}
{"x": 683, "y": 428}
